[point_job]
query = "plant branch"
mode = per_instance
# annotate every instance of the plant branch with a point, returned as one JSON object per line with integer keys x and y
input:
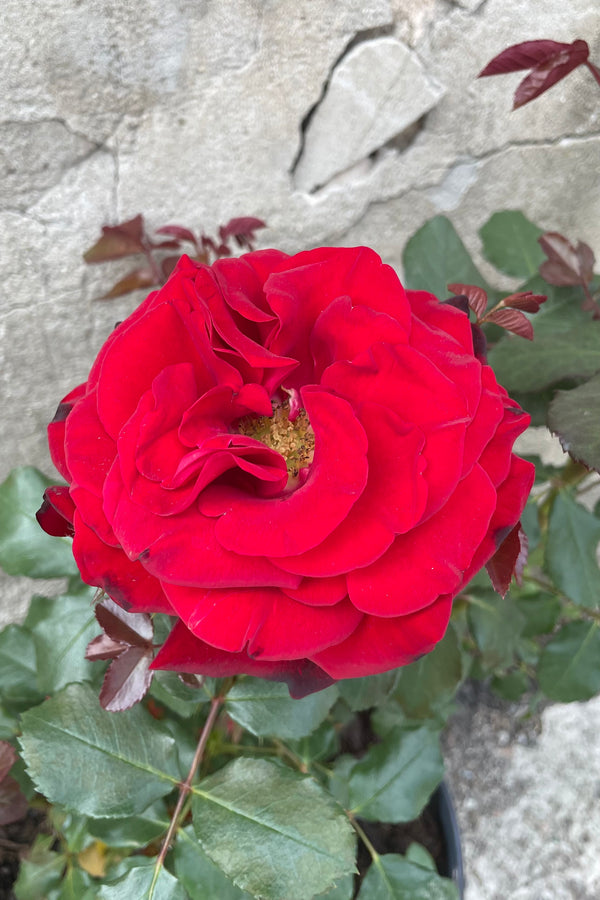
{"x": 186, "y": 787}
{"x": 363, "y": 837}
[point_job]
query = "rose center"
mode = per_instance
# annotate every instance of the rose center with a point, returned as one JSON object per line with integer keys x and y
{"x": 293, "y": 438}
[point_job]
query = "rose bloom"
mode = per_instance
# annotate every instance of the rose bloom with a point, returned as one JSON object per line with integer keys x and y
{"x": 300, "y": 460}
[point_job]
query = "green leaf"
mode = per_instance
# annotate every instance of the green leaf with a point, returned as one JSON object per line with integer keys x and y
{"x": 41, "y": 871}
{"x": 75, "y": 885}
{"x": 198, "y": 875}
{"x": 531, "y": 524}
{"x": 371, "y": 690}
{"x": 18, "y": 675}
{"x": 24, "y": 548}
{"x": 274, "y": 832}
{"x": 321, "y": 744}
{"x": 393, "y": 877}
{"x": 427, "y": 687}
{"x": 170, "y": 690}
{"x": 417, "y": 854}
{"x": 9, "y": 727}
{"x": 62, "y": 627}
{"x": 533, "y": 365}
{"x": 131, "y": 831}
{"x": 138, "y": 882}
{"x": 435, "y": 257}
{"x": 393, "y": 781}
{"x": 510, "y": 242}
{"x": 496, "y": 623}
{"x": 343, "y": 890}
{"x": 541, "y": 611}
{"x": 562, "y": 310}
{"x": 569, "y": 667}
{"x": 573, "y": 537}
{"x": 72, "y": 827}
{"x": 98, "y": 763}
{"x": 265, "y": 708}
{"x": 511, "y": 686}
{"x": 575, "y": 416}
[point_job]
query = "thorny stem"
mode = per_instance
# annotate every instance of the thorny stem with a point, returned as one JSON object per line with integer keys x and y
{"x": 186, "y": 787}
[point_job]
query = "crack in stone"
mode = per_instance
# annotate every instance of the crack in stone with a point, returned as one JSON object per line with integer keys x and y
{"x": 361, "y": 37}
{"x": 461, "y": 161}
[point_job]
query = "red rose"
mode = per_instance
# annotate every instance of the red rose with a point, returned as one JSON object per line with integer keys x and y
{"x": 300, "y": 460}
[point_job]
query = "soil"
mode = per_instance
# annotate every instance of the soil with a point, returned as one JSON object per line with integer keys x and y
{"x": 15, "y": 839}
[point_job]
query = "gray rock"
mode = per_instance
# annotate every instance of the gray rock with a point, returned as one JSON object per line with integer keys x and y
{"x": 375, "y": 93}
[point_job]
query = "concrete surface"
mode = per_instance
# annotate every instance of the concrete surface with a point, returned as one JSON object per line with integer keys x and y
{"x": 527, "y": 791}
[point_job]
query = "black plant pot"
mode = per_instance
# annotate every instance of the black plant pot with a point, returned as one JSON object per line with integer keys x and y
{"x": 442, "y": 806}
{"x": 436, "y": 829}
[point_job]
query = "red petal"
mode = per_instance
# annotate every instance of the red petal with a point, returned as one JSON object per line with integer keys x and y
{"x": 431, "y": 559}
{"x": 378, "y": 645}
{"x": 263, "y": 621}
{"x": 496, "y": 457}
{"x": 453, "y": 321}
{"x": 319, "y": 591}
{"x": 89, "y": 450}
{"x": 126, "y": 582}
{"x": 512, "y": 497}
{"x": 56, "y": 512}
{"x": 56, "y": 430}
{"x": 183, "y": 652}
{"x": 183, "y": 549}
{"x": 301, "y": 519}
{"x": 342, "y": 331}
{"x": 136, "y": 356}
{"x": 482, "y": 429}
{"x": 316, "y": 278}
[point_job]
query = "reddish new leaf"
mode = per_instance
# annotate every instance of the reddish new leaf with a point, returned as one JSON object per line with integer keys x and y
{"x": 566, "y": 264}
{"x": 139, "y": 278}
{"x": 526, "y": 55}
{"x": 512, "y": 320}
{"x": 244, "y": 226}
{"x": 103, "y": 647}
{"x": 125, "y": 627}
{"x": 117, "y": 241}
{"x": 178, "y": 231}
{"x": 508, "y": 560}
{"x": 168, "y": 264}
{"x": 476, "y": 296}
{"x": 13, "y": 803}
{"x": 127, "y": 679}
{"x": 525, "y": 300}
{"x": 8, "y": 757}
{"x": 164, "y": 245}
{"x": 548, "y": 73}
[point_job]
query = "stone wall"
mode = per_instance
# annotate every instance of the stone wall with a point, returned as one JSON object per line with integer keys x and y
{"x": 337, "y": 122}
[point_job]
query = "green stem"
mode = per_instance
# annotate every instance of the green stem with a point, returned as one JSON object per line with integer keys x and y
{"x": 186, "y": 787}
{"x": 363, "y": 837}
